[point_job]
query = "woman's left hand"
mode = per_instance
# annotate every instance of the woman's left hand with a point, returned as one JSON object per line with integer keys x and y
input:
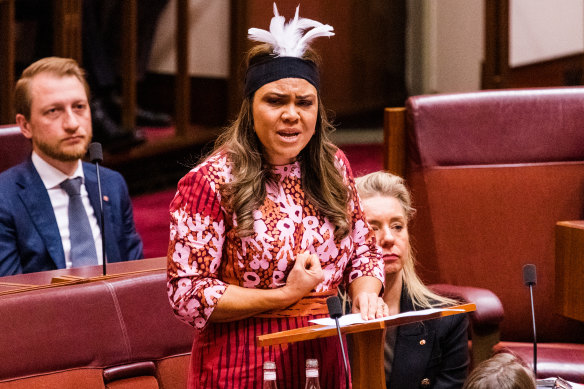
{"x": 370, "y": 305}
{"x": 364, "y": 292}
{"x": 382, "y": 308}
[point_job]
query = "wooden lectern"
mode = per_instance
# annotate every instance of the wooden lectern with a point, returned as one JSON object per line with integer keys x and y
{"x": 367, "y": 346}
{"x": 570, "y": 269}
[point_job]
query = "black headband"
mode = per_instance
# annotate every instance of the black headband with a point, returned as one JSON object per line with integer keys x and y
{"x": 277, "y": 68}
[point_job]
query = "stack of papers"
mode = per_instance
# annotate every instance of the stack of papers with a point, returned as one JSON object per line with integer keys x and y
{"x": 355, "y": 318}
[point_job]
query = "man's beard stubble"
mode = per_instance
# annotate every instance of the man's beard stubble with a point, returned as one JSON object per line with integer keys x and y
{"x": 63, "y": 155}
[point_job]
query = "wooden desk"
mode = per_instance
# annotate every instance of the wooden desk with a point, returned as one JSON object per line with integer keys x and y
{"x": 367, "y": 356}
{"x": 44, "y": 279}
{"x": 570, "y": 269}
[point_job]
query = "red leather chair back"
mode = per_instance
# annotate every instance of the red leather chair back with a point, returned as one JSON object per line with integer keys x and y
{"x": 121, "y": 326}
{"x": 14, "y": 147}
{"x": 491, "y": 173}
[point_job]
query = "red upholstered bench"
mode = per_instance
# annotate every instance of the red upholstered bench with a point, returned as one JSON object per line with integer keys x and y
{"x": 118, "y": 333}
{"x": 14, "y": 147}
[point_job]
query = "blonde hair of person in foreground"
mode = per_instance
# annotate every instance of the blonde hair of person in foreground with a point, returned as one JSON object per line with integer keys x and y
{"x": 502, "y": 371}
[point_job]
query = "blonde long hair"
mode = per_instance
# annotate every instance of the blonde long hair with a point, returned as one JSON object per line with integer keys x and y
{"x": 389, "y": 185}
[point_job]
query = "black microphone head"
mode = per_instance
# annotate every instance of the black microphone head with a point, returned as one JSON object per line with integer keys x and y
{"x": 529, "y": 275}
{"x": 95, "y": 153}
{"x": 334, "y": 307}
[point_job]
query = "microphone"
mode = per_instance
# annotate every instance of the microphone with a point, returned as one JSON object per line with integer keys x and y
{"x": 335, "y": 311}
{"x": 96, "y": 157}
{"x": 530, "y": 279}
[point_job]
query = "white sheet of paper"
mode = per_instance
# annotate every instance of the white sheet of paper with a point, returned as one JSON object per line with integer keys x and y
{"x": 542, "y": 381}
{"x": 355, "y": 318}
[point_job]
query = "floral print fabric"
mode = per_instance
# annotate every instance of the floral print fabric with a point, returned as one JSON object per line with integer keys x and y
{"x": 206, "y": 254}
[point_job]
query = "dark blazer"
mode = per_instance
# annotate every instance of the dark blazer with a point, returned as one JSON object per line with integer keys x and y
{"x": 29, "y": 236}
{"x": 430, "y": 354}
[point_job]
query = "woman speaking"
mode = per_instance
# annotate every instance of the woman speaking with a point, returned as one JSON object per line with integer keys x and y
{"x": 269, "y": 224}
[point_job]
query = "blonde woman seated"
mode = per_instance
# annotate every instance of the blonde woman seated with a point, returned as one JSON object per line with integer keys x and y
{"x": 429, "y": 354}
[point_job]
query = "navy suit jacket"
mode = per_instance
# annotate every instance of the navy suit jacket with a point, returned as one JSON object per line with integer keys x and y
{"x": 430, "y": 354}
{"x": 29, "y": 236}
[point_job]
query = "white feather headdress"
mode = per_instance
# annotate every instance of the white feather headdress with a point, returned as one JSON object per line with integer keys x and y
{"x": 290, "y": 39}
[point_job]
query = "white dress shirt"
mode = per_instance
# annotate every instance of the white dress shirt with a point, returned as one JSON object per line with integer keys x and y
{"x": 52, "y": 178}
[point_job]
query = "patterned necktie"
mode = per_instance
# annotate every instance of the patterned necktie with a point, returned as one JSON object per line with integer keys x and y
{"x": 83, "y": 251}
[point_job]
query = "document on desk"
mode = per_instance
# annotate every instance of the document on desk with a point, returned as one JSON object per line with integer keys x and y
{"x": 355, "y": 318}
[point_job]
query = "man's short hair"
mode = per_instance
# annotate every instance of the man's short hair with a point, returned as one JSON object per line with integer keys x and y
{"x": 60, "y": 67}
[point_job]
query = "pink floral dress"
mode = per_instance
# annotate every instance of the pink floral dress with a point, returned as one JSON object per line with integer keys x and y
{"x": 206, "y": 254}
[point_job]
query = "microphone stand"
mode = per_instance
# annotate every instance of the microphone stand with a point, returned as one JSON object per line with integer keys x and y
{"x": 335, "y": 311}
{"x": 530, "y": 279}
{"x": 96, "y": 156}
{"x": 534, "y": 333}
{"x": 343, "y": 352}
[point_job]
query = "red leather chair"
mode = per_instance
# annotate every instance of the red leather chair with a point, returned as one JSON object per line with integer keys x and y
{"x": 491, "y": 173}
{"x": 14, "y": 147}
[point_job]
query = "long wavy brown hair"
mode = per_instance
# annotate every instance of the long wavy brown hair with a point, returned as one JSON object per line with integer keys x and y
{"x": 321, "y": 180}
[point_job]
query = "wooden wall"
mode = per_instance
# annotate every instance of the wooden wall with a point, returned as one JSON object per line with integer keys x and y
{"x": 363, "y": 64}
{"x": 497, "y": 73}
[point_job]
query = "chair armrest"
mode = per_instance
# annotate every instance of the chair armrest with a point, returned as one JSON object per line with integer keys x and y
{"x": 483, "y": 323}
{"x": 489, "y": 313}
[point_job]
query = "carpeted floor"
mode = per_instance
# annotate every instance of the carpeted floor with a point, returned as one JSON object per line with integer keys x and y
{"x": 151, "y": 210}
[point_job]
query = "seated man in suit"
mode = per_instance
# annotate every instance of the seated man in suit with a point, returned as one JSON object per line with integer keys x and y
{"x": 49, "y": 204}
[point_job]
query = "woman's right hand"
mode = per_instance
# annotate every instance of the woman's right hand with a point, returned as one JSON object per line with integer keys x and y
{"x": 304, "y": 276}
{"x": 238, "y": 302}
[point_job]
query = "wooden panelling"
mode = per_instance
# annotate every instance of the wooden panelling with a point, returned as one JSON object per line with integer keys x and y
{"x": 6, "y": 61}
{"x": 129, "y": 27}
{"x": 182, "y": 85}
{"x": 564, "y": 71}
{"x": 570, "y": 269}
{"x": 394, "y": 141}
{"x": 67, "y": 28}
{"x": 357, "y": 63}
